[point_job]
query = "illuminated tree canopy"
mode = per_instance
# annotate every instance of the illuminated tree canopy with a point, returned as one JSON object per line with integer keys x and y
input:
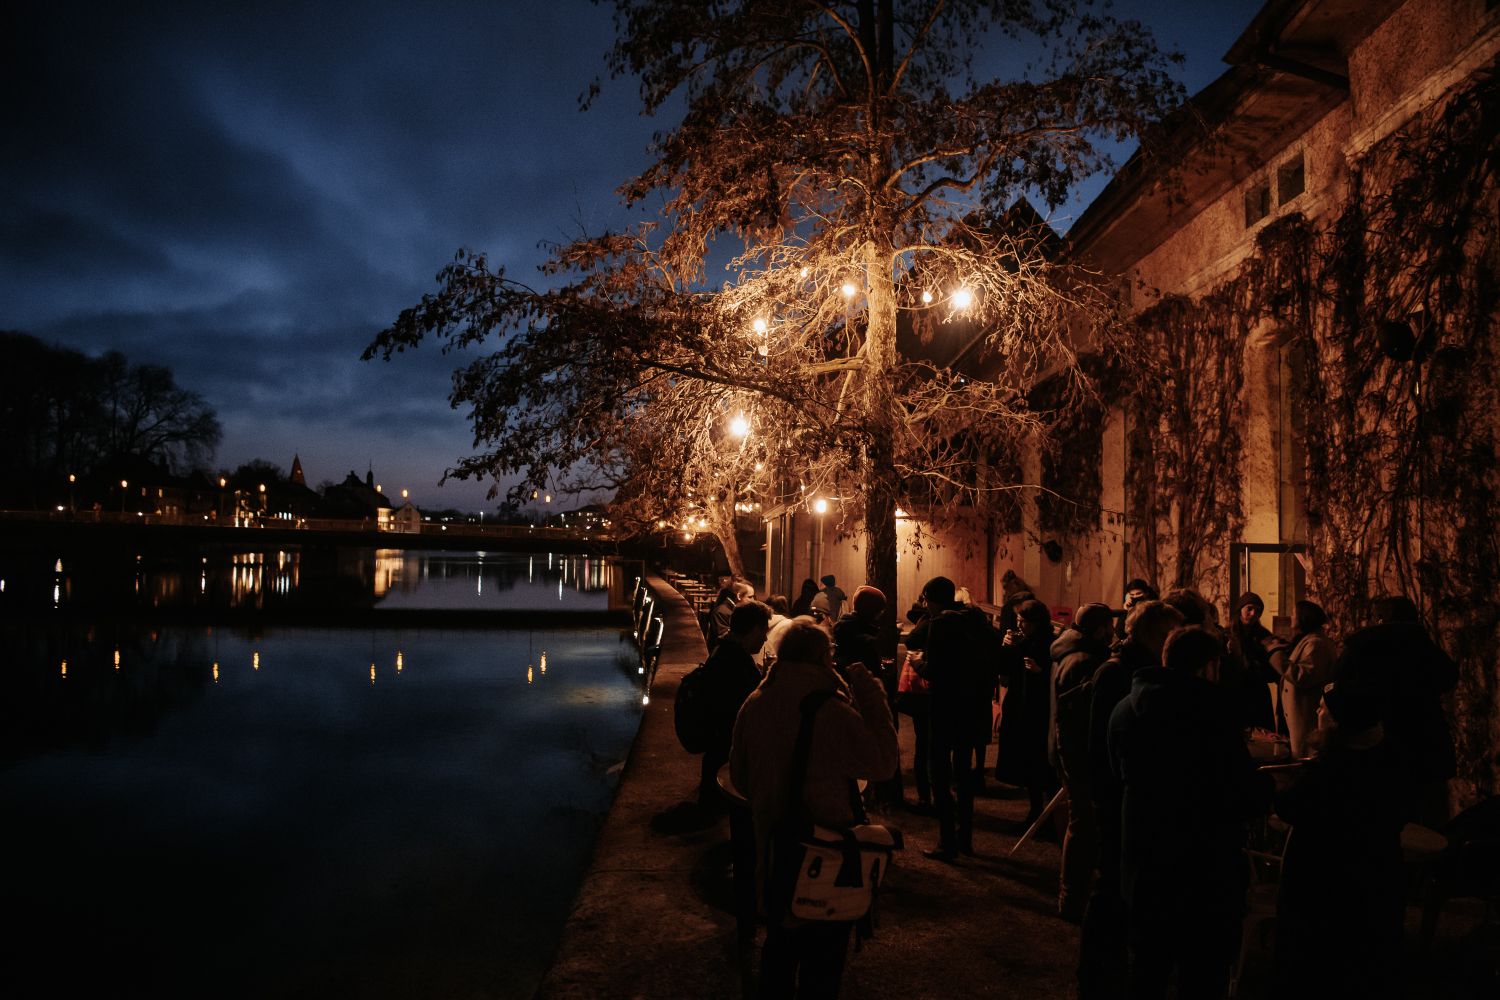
{"x": 856, "y": 162}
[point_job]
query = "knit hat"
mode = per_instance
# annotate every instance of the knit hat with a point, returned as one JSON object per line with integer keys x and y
{"x": 1091, "y": 616}
{"x": 1250, "y": 597}
{"x": 868, "y": 597}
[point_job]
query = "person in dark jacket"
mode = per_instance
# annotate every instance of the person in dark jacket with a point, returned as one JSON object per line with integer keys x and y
{"x": 1076, "y": 655}
{"x": 1250, "y": 673}
{"x": 1102, "y": 953}
{"x": 1340, "y": 911}
{"x": 732, "y": 674}
{"x": 803, "y": 604}
{"x": 1190, "y": 791}
{"x": 1397, "y": 660}
{"x": 728, "y": 599}
{"x": 1026, "y": 671}
{"x": 959, "y": 649}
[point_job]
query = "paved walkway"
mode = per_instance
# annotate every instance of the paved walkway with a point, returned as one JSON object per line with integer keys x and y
{"x": 653, "y": 918}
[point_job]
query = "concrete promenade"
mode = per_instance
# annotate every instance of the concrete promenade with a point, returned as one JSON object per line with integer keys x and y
{"x": 653, "y": 917}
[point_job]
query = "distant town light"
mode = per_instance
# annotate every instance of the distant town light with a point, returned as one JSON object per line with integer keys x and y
{"x": 404, "y": 494}
{"x": 263, "y": 487}
{"x": 72, "y": 478}
{"x": 223, "y": 482}
{"x": 739, "y": 426}
{"x": 124, "y": 484}
{"x": 549, "y": 498}
{"x": 963, "y": 299}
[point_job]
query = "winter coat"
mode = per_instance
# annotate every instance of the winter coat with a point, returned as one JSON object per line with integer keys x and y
{"x": 858, "y": 641}
{"x": 1411, "y": 673}
{"x": 1189, "y": 791}
{"x": 960, "y": 663}
{"x": 1110, "y": 686}
{"x": 1309, "y": 668}
{"x": 1249, "y": 675}
{"x": 732, "y": 675}
{"x": 1025, "y": 711}
{"x": 853, "y": 737}
{"x": 1075, "y": 659}
{"x": 1340, "y": 910}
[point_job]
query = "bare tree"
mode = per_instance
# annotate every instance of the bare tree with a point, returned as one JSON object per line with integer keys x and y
{"x": 863, "y": 165}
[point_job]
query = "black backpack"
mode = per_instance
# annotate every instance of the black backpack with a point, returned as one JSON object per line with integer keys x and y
{"x": 693, "y": 711}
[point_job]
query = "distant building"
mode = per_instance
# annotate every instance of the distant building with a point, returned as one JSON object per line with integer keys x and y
{"x": 406, "y": 518}
{"x": 358, "y": 499}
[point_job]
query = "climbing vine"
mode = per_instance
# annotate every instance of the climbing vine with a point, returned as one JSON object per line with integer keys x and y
{"x": 1389, "y": 312}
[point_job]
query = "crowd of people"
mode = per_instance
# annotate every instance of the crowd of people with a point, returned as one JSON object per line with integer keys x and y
{"x": 1143, "y": 719}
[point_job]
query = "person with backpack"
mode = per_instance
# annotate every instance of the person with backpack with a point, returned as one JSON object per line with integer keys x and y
{"x": 852, "y": 737}
{"x": 729, "y": 675}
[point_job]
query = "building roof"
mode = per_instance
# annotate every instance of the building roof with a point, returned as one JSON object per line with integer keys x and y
{"x": 1287, "y": 70}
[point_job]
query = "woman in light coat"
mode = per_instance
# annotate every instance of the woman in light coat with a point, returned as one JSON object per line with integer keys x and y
{"x": 1309, "y": 667}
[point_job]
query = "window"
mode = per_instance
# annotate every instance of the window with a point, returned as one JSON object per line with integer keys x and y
{"x": 1257, "y": 203}
{"x": 1290, "y": 180}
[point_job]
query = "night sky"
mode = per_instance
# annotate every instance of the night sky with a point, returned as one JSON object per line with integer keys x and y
{"x": 249, "y": 196}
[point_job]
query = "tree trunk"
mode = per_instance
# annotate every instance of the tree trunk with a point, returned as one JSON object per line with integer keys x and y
{"x": 879, "y": 473}
{"x": 722, "y": 522}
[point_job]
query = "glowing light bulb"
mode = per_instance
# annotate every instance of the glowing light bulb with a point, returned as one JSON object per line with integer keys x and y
{"x": 927, "y": 298}
{"x": 963, "y": 299}
{"x": 739, "y": 426}
{"x": 820, "y": 506}
{"x": 848, "y": 290}
{"x": 398, "y": 661}
{"x": 805, "y": 272}
{"x": 759, "y": 326}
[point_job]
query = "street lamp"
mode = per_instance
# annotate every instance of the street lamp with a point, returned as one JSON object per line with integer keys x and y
{"x": 819, "y": 507}
{"x": 124, "y": 485}
{"x": 739, "y": 426}
{"x": 963, "y": 299}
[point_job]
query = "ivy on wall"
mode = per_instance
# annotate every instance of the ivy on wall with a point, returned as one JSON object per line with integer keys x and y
{"x": 1392, "y": 310}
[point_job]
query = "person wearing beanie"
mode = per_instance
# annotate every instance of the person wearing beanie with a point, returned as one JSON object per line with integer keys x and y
{"x": 1340, "y": 909}
{"x": 1253, "y": 671}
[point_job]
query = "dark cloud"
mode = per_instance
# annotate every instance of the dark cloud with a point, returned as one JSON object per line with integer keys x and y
{"x": 250, "y": 194}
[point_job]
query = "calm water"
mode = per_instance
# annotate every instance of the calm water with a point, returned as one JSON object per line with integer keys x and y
{"x": 307, "y": 812}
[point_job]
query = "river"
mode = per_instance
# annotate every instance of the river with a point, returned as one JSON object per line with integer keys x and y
{"x": 202, "y": 810}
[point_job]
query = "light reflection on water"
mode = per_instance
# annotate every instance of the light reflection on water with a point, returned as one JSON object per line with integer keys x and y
{"x": 306, "y": 811}
{"x": 320, "y": 577}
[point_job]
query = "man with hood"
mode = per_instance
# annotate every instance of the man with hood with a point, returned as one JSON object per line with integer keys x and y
{"x": 852, "y": 737}
{"x": 1076, "y": 655}
{"x": 1190, "y": 791}
{"x": 960, "y": 663}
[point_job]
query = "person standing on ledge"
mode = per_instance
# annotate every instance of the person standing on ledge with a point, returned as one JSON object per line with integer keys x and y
{"x": 830, "y": 601}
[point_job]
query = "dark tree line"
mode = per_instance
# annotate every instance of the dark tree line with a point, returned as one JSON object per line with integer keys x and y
{"x": 64, "y": 413}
